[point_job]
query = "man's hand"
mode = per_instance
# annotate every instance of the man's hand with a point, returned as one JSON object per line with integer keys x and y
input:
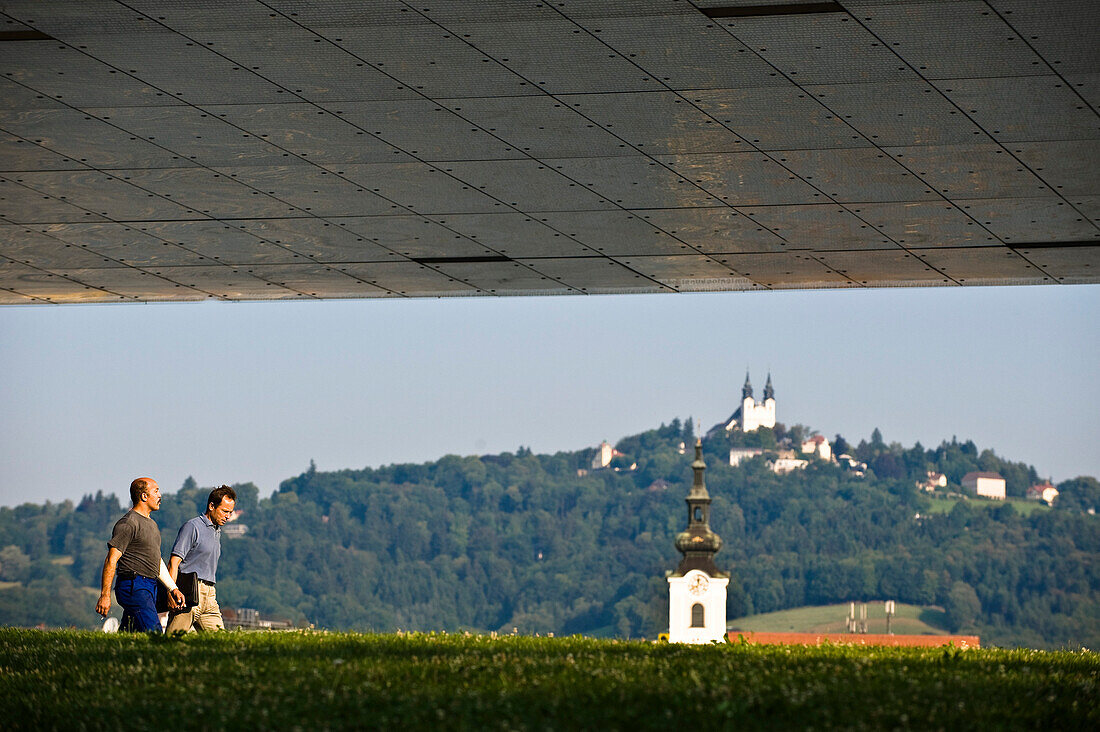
{"x": 176, "y": 600}
{"x": 104, "y": 605}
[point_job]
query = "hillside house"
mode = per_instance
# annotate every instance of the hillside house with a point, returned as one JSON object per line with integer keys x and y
{"x": 985, "y": 485}
{"x": 737, "y": 454}
{"x": 933, "y": 481}
{"x": 819, "y": 446}
{"x": 605, "y": 453}
{"x": 1042, "y": 492}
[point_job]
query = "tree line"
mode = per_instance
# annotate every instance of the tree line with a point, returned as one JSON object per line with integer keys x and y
{"x": 542, "y": 543}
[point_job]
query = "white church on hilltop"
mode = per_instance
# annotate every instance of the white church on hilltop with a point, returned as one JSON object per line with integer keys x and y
{"x": 750, "y": 415}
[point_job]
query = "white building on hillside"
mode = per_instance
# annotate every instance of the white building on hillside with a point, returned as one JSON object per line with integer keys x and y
{"x": 737, "y": 454}
{"x": 751, "y": 416}
{"x": 818, "y": 445}
{"x": 987, "y": 485}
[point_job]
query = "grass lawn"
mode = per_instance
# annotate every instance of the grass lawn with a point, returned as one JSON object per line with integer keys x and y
{"x": 1022, "y": 506}
{"x": 909, "y": 620}
{"x": 312, "y": 680}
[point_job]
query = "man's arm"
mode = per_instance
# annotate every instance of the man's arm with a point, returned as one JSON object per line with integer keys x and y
{"x": 174, "y": 567}
{"x": 109, "y": 564}
{"x": 175, "y": 597}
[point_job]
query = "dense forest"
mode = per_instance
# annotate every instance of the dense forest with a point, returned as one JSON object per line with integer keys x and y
{"x": 542, "y": 543}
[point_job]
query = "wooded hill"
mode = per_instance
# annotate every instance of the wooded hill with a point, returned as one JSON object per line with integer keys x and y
{"x": 523, "y": 541}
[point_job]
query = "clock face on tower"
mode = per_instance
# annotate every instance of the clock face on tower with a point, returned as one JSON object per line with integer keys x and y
{"x": 698, "y": 585}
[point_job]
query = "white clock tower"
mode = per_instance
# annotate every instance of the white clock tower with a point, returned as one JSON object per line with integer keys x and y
{"x": 697, "y": 589}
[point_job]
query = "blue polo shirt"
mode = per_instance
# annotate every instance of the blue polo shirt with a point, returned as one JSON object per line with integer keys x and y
{"x": 199, "y": 544}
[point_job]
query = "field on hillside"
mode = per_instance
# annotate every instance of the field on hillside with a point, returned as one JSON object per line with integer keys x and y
{"x": 1022, "y": 506}
{"x": 909, "y": 620}
{"x": 313, "y": 680}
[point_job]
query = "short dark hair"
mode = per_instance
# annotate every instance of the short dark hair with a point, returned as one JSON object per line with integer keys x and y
{"x": 220, "y": 493}
{"x": 139, "y": 486}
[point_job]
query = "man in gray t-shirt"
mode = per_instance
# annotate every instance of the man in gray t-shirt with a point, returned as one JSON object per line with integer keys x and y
{"x": 133, "y": 554}
{"x": 197, "y": 549}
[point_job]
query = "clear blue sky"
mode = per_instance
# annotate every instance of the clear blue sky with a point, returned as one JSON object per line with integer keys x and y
{"x": 93, "y": 396}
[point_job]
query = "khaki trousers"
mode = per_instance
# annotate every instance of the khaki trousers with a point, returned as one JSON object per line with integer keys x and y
{"x": 207, "y": 615}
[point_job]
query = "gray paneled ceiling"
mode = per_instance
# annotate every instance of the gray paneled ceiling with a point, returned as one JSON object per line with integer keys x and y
{"x": 185, "y": 150}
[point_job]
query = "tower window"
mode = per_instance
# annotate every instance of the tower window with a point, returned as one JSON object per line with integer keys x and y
{"x": 698, "y": 513}
{"x": 697, "y": 616}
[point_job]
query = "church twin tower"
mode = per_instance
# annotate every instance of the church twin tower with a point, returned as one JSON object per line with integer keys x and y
{"x": 697, "y": 589}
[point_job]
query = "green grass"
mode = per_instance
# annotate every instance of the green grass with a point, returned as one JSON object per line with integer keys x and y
{"x": 909, "y": 620}
{"x": 1022, "y": 506}
{"x": 309, "y": 680}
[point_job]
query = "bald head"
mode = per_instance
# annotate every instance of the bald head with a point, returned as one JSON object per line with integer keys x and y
{"x": 143, "y": 489}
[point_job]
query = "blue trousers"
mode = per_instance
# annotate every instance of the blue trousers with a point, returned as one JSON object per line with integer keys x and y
{"x": 138, "y": 599}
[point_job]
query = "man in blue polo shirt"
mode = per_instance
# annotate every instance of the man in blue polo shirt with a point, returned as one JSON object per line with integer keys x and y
{"x": 197, "y": 549}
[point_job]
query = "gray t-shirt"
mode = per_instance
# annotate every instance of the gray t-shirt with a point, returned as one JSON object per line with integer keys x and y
{"x": 138, "y": 538}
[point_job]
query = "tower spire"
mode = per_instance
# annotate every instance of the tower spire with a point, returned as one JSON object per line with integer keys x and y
{"x": 698, "y": 543}
{"x": 746, "y": 390}
{"x": 769, "y": 391}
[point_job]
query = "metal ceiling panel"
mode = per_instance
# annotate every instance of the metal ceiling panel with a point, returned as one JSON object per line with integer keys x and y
{"x": 970, "y": 171}
{"x": 133, "y": 284}
{"x": 596, "y": 276}
{"x": 556, "y": 56}
{"x": 870, "y": 174}
{"x": 615, "y": 233}
{"x": 1022, "y": 108}
{"x": 939, "y": 39}
{"x": 925, "y": 224}
{"x": 21, "y": 203}
{"x": 684, "y": 272}
{"x": 1032, "y": 220}
{"x": 1089, "y": 206}
{"x": 539, "y": 126}
{"x": 87, "y": 140}
{"x": 1067, "y": 264}
{"x": 715, "y": 230}
{"x": 46, "y": 250}
{"x": 983, "y": 266}
{"x": 1063, "y": 32}
{"x": 788, "y": 270}
{"x": 686, "y": 51}
{"x": 409, "y": 279}
{"x": 229, "y": 283}
{"x": 778, "y": 118}
{"x": 1067, "y": 167}
{"x": 22, "y": 281}
{"x": 411, "y": 236}
{"x": 739, "y": 179}
{"x": 424, "y": 129}
{"x": 308, "y": 190}
{"x": 112, "y": 195}
{"x": 315, "y": 280}
{"x": 495, "y": 147}
{"x": 124, "y": 245}
{"x": 17, "y": 154}
{"x": 516, "y": 235}
{"x": 819, "y": 48}
{"x": 428, "y": 60}
{"x": 319, "y": 240}
{"x": 528, "y": 184}
{"x": 303, "y": 130}
{"x": 189, "y": 133}
{"x": 818, "y": 227}
{"x": 655, "y": 123}
{"x": 66, "y": 74}
{"x": 898, "y": 113}
{"x": 895, "y": 268}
